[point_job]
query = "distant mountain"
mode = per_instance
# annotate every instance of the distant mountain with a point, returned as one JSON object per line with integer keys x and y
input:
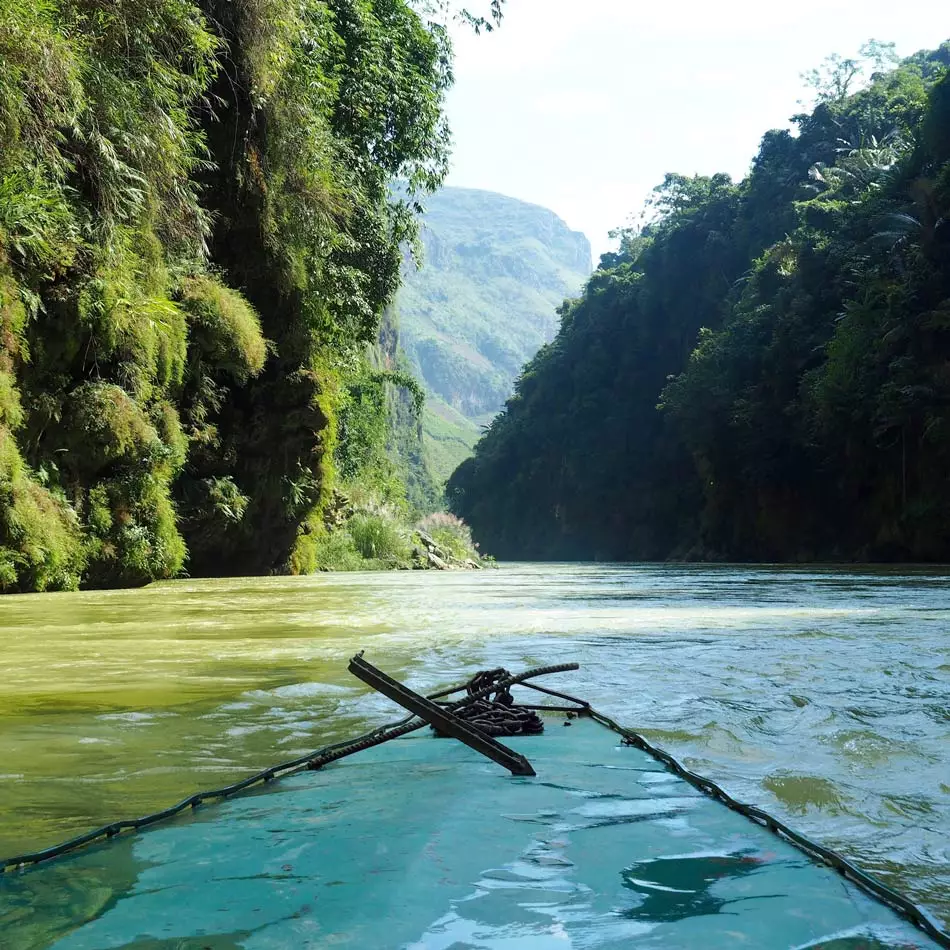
{"x": 482, "y": 304}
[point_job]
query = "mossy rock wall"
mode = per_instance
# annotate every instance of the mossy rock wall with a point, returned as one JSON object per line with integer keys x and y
{"x": 40, "y": 540}
{"x": 198, "y": 237}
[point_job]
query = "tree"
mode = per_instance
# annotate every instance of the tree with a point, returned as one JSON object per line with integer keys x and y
{"x": 838, "y": 75}
{"x": 760, "y": 372}
{"x": 486, "y": 17}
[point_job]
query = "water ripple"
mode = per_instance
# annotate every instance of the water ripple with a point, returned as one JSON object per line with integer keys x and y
{"x": 821, "y": 694}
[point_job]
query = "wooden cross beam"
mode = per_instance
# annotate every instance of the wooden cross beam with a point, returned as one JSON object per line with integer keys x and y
{"x": 440, "y": 717}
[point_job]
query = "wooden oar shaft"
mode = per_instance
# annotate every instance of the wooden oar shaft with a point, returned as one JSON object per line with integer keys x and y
{"x": 444, "y": 720}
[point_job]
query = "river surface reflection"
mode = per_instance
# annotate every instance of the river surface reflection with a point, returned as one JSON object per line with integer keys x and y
{"x": 822, "y": 695}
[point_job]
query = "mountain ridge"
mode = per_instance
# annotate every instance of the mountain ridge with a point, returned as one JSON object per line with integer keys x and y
{"x": 494, "y": 270}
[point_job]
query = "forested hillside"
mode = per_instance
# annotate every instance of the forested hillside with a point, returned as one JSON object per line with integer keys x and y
{"x": 761, "y": 373}
{"x": 494, "y": 270}
{"x": 198, "y": 237}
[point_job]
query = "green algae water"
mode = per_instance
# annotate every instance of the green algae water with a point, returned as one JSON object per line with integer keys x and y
{"x": 821, "y": 695}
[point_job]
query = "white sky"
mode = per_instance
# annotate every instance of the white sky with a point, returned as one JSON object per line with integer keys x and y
{"x": 583, "y": 105}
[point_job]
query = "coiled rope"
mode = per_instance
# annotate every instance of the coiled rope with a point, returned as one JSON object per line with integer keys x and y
{"x": 499, "y": 721}
{"x": 496, "y": 715}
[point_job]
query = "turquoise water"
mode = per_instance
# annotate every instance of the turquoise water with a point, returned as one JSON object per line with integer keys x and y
{"x": 822, "y": 695}
{"x": 421, "y": 844}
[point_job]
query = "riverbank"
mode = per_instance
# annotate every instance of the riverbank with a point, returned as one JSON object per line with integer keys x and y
{"x": 361, "y": 533}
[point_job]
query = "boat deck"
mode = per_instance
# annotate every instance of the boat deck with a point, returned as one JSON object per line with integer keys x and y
{"x": 421, "y": 843}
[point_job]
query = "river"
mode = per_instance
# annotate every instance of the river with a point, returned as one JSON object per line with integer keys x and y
{"x": 822, "y": 695}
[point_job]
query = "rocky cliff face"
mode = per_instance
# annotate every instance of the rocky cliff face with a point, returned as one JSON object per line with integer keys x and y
{"x": 495, "y": 269}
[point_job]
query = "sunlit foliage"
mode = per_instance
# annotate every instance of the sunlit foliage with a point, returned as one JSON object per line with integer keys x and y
{"x": 198, "y": 237}
{"x": 760, "y": 372}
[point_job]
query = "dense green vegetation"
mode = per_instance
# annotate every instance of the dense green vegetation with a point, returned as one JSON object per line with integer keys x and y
{"x": 448, "y": 436}
{"x": 198, "y": 237}
{"x": 494, "y": 270}
{"x": 762, "y": 371}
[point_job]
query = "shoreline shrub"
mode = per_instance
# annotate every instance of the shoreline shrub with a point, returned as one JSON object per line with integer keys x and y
{"x": 451, "y": 533}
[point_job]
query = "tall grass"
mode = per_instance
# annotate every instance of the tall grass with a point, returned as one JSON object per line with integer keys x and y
{"x": 452, "y": 534}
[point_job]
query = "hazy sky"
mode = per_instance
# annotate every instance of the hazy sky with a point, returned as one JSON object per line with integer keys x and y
{"x": 583, "y": 105}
